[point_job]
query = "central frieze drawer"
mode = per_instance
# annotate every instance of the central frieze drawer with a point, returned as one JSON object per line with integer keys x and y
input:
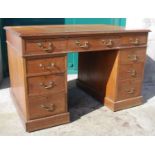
{"x": 43, "y": 105}
{"x": 90, "y": 44}
{"x": 46, "y": 65}
{"x": 46, "y": 84}
{"x": 45, "y": 46}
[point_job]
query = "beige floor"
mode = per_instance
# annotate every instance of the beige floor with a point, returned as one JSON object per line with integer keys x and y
{"x": 88, "y": 117}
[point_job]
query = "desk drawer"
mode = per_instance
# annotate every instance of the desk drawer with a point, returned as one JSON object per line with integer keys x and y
{"x": 43, "y": 105}
{"x": 128, "y": 89}
{"x": 46, "y": 65}
{"x": 43, "y": 46}
{"x": 46, "y": 84}
{"x": 90, "y": 44}
{"x": 131, "y": 71}
{"x": 132, "y": 56}
{"x": 134, "y": 40}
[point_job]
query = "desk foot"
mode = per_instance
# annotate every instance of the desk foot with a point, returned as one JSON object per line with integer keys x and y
{"x": 47, "y": 122}
{"x": 124, "y": 104}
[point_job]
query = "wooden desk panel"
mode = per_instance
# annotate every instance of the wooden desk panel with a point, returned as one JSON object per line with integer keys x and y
{"x": 96, "y": 43}
{"x": 44, "y": 66}
{"x": 111, "y": 68}
{"x": 43, "y": 46}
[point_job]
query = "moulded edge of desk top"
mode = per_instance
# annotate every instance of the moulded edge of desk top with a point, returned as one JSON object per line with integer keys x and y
{"x": 69, "y": 30}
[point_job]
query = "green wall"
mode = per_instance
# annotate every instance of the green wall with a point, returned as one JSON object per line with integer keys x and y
{"x": 73, "y": 57}
{"x": 112, "y": 21}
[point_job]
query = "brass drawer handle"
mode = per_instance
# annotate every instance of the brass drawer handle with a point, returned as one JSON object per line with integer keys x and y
{"x": 47, "y": 86}
{"x": 133, "y": 72}
{"x": 47, "y": 67}
{"x": 85, "y": 45}
{"x": 46, "y": 49}
{"x": 135, "y": 42}
{"x": 108, "y": 43}
{"x": 133, "y": 57}
{"x": 131, "y": 91}
{"x": 48, "y": 108}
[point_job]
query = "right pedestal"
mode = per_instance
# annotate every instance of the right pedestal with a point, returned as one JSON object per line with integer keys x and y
{"x": 115, "y": 77}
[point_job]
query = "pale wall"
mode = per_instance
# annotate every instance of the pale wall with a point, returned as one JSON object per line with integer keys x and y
{"x": 0, "y": 53}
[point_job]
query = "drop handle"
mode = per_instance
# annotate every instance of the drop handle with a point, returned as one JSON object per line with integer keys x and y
{"x": 108, "y": 43}
{"x": 47, "y": 86}
{"x": 49, "y": 108}
{"x": 135, "y": 42}
{"x": 131, "y": 91}
{"x": 133, "y": 57}
{"x": 84, "y": 45}
{"x": 47, "y": 67}
{"x": 132, "y": 72}
{"x": 46, "y": 49}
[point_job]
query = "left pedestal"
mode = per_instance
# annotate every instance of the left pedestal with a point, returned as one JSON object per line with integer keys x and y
{"x": 38, "y": 83}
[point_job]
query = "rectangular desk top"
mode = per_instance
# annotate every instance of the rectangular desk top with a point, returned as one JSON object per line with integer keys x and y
{"x": 68, "y": 30}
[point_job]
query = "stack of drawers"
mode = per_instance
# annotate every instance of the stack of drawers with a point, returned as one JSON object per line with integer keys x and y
{"x": 130, "y": 72}
{"x": 46, "y": 80}
{"x": 46, "y": 86}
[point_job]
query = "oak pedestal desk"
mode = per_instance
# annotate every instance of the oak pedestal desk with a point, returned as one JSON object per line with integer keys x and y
{"x": 111, "y": 68}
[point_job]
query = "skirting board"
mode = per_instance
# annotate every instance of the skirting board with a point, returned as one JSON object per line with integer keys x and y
{"x": 124, "y": 104}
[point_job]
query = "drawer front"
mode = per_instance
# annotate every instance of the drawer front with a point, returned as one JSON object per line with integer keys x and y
{"x": 132, "y": 56}
{"x": 46, "y": 65}
{"x": 47, "y": 46}
{"x": 129, "y": 89}
{"x": 46, "y": 84}
{"x": 131, "y": 71}
{"x": 90, "y": 44}
{"x": 134, "y": 40}
{"x": 43, "y": 105}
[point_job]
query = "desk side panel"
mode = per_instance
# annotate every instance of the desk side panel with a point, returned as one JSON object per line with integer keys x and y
{"x": 17, "y": 72}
